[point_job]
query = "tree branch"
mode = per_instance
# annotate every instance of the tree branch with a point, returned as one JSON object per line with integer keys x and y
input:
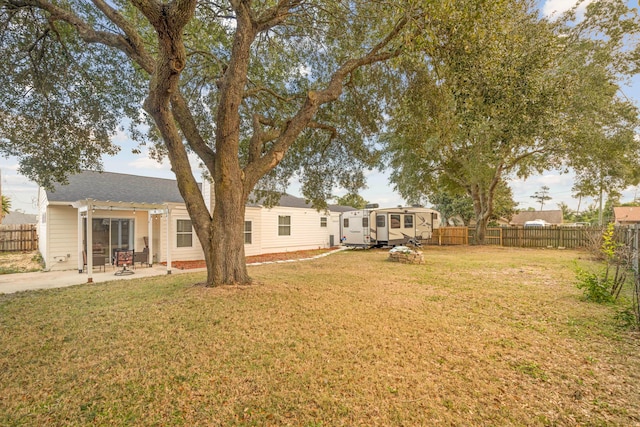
{"x": 256, "y": 169}
{"x": 189, "y": 128}
{"x": 91, "y": 35}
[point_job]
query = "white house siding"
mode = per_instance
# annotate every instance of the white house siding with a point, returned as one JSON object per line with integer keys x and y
{"x": 62, "y": 236}
{"x": 178, "y": 254}
{"x": 306, "y": 232}
{"x": 254, "y": 215}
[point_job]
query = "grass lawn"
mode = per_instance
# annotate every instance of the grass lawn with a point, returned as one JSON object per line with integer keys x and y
{"x": 477, "y": 336}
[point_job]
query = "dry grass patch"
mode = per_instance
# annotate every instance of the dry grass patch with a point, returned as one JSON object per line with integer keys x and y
{"x": 477, "y": 336}
{"x": 20, "y": 262}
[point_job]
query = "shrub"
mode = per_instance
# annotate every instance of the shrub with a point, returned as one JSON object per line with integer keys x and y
{"x": 596, "y": 287}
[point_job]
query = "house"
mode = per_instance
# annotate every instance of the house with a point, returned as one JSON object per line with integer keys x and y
{"x": 144, "y": 214}
{"x": 551, "y": 217}
{"x": 18, "y": 218}
{"x": 626, "y": 215}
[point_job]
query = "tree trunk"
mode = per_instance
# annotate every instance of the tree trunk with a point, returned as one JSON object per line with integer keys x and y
{"x": 481, "y": 230}
{"x": 224, "y": 253}
{"x": 483, "y": 208}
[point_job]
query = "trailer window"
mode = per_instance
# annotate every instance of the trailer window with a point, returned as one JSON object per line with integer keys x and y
{"x": 380, "y": 222}
{"x": 345, "y": 222}
{"x": 394, "y": 220}
{"x": 323, "y": 221}
{"x": 408, "y": 221}
{"x": 365, "y": 222}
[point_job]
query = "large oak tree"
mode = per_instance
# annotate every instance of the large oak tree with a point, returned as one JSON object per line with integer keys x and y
{"x": 259, "y": 90}
{"x": 505, "y": 93}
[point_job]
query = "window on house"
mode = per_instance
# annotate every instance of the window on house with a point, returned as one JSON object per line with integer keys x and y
{"x": 184, "y": 233}
{"x": 408, "y": 221}
{"x": 247, "y": 232}
{"x": 284, "y": 225}
{"x": 323, "y": 221}
{"x": 394, "y": 220}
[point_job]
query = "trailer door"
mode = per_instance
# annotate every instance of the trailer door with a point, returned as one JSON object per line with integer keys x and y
{"x": 382, "y": 231}
{"x": 409, "y": 225}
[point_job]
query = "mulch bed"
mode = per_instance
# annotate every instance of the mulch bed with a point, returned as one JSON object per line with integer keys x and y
{"x": 280, "y": 256}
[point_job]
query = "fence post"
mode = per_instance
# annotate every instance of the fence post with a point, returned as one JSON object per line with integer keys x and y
{"x": 635, "y": 248}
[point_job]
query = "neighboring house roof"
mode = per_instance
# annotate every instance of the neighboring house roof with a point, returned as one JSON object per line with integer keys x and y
{"x": 626, "y": 213}
{"x": 117, "y": 187}
{"x": 550, "y": 216}
{"x": 15, "y": 218}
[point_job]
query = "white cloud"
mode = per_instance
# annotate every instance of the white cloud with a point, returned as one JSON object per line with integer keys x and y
{"x": 555, "y": 8}
{"x": 143, "y": 161}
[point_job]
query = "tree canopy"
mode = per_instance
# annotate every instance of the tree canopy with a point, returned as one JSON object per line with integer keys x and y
{"x": 505, "y": 93}
{"x": 352, "y": 199}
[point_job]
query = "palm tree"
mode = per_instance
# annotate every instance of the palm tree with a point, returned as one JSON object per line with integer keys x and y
{"x": 6, "y": 205}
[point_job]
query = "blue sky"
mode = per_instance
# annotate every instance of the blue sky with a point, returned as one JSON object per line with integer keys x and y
{"x": 23, "y": 193}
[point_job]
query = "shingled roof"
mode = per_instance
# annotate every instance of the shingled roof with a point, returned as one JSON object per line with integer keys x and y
{"x": 289, "y": 201}
{"x": 117, "y": 187}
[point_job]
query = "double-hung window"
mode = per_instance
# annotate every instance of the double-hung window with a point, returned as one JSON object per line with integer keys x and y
{"x": 247, "y": 232}
{"x": 284, "y": 225}
{"x": 184, "y": 233}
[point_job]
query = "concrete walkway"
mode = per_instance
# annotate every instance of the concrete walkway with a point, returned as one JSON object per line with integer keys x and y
{"x": 10, "y": 283}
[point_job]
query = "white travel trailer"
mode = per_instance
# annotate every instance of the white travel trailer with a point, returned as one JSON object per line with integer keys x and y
{"x": 375, "y": 226}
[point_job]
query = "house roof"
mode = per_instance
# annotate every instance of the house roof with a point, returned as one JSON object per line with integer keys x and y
{"x": 289, "y": 201}
{"x": 626, "y": 213}
{"x": 117, "y": 187}
{"x": 15, "y": 218}
{"x": 550, "y": 216}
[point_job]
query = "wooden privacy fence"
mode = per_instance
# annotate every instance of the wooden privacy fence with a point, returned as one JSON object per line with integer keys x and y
{"x": 530, "y": 237}
{"x": 20, "y": 237}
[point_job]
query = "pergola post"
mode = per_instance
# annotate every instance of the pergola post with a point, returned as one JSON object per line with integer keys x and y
{"x": 150, "y": 238}
{"x": 80, "y": 248}
{"x": 168, "y": 240}
{"x": 89, "y": 250}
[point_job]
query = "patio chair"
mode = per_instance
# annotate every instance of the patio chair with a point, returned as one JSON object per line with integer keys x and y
{"x": 123, "y": 258}
{"x": 98, "y": 261}
{"x": 141, "y": 257}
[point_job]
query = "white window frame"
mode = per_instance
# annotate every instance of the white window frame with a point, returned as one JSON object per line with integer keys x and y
{"x": 284, "y": 229}
{"x": 248, "y": 233}
{"x": 182, "y": 233}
